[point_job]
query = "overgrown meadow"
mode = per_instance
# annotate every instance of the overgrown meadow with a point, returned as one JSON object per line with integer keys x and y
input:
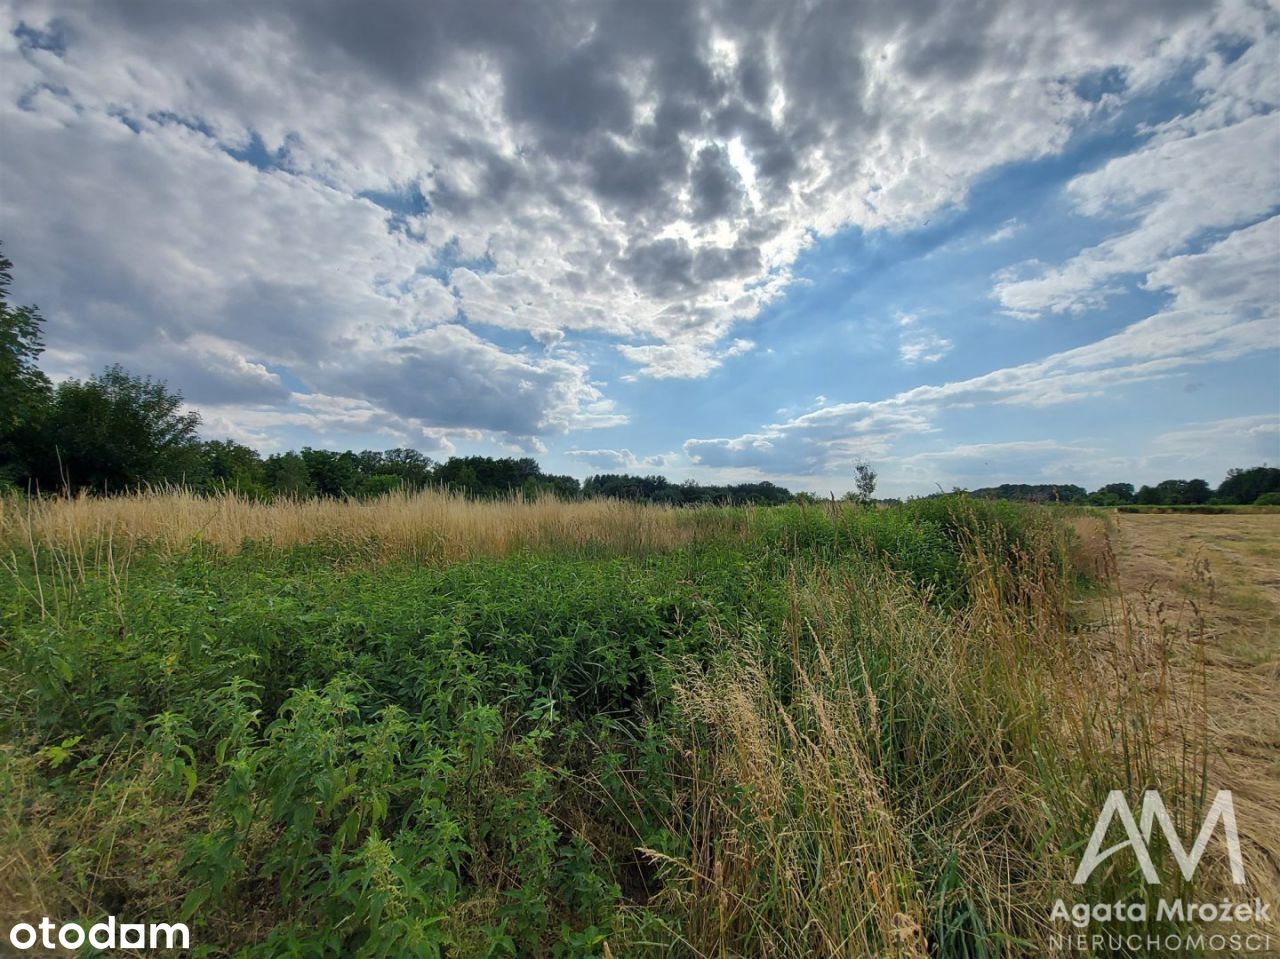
{"x": 423, "y": 726}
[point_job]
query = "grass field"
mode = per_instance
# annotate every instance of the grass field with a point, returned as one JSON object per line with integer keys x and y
{"x": 427, "y": 726}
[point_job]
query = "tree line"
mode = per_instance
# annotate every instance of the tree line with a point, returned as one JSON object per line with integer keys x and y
{"x": 659, "y": 489}
{"x": 116, "y": 431}
{"x": 1257, "y": 485}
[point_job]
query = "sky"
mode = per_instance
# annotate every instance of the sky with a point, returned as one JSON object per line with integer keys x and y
{"x": 966, "y": 242}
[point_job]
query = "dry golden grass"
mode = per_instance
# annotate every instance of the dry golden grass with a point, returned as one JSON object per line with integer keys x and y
{"x": 808, "y": 839}
{"x": 897, "y": 746}
{"x": 796, "y": 846}
{"x": 430, "y": 526}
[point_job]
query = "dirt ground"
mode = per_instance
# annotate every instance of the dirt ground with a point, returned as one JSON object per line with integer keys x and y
{"x": 1211, "y": 584}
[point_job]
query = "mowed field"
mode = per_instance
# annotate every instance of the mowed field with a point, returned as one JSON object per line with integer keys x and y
{"x": 1212, "y": 582}
{"x": 427, "y": 726}
{"x": 1230, "y": 563}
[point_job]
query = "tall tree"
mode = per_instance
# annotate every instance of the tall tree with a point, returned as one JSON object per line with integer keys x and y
{"x": 1113, "y": 494}
{"x": 24, "y": 389}
{"x": 286, "y": 474}
{"x": 864, "y": 482}
{"x": 117, "y": 431}
{"x": 332, "y": 473}
{"x": 410, "y": 467}
{"x": 1246, "y": 485}
{"x": 226, "y": 464}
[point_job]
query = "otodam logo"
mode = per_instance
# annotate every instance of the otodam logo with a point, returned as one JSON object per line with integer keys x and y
{"x": 1139, "y": 836}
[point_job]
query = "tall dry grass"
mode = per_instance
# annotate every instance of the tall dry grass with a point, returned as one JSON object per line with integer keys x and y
{"x": 861, "y": 792}
{"x": 431, "y": 526}
{"x": 905, "y": 781}
{"x": 798, "y": 845}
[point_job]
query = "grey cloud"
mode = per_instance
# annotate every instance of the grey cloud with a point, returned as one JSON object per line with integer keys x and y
{"x": 754, "y": 80}
{"x": 716, "y": 185}
{"x": 640, "y": 182}
{"x": 400, "y": 42}
{"x": 721, "y": 263}
{"x": 775, "y": 151}
{"x": 667, "y": 33}
{"x": 955, "y": 58}
{"x": 553, "y": 142}
{"x": 1106, "y": 20}
{"x": 622, "y": 460}
{"x": 211, "y": 375}
{"x": 567, "y": 98}
{"x": 667, "y": 268}
{"x": 313, "y": 281}
{"x": 817, "y": 65}
{"x": 663, "y": 268}
{"x": 493, "y": 179}
{"x": 451, "y": 378}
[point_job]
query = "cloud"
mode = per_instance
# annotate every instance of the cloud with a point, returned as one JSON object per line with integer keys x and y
{"x": 1222, "y": 306}
{"x": 1006, "y": 231}
{"x": 923, "y": 347}
{"x": 1204, "y": 449}
{"x": 328, "y": 419}
{"x": 688, "y": 360}
{"x": 623, "y": 460}
{"x": 367, "y": 200}
{"x": 283, "y": 272}
{"x": 918, "y": 344}
{"x": 716, "y": 186}
{"x": 827, "y": 439}
{"x": 1167, "y": 192}
{"x": 1246, "y": 440}
{"x": 549, "y": 339}
{"x": 448, "y": 377}
{"x": 972, "y": 464}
